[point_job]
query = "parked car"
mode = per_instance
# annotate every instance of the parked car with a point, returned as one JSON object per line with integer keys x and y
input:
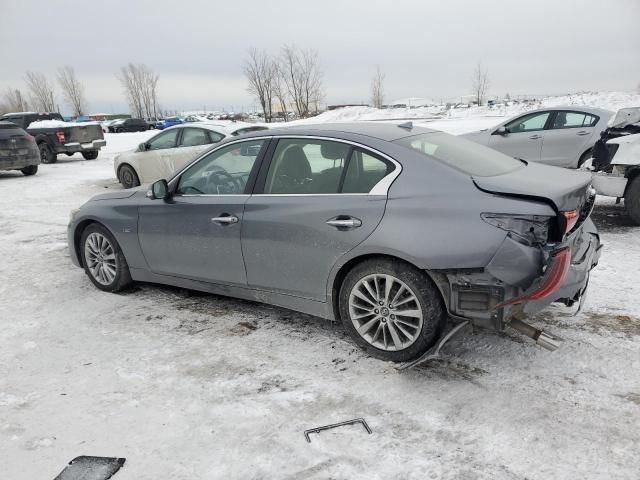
{"x": 562, "y": 136}
{"x": 171, "y": 149}
{"x": 388, "y": 228}
{"x": 18, "y": 149}
{"x": 55, "y": 136}
{"x": 169, "y": 122}
{"x": 129, "y": 125}
{"x": 616, "y": 161}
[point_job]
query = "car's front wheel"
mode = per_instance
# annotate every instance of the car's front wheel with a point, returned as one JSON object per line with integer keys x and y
{"x": 128, "y": 177}
{"x": 103, "y": 260}
{"x": 30, "y": 170}
{"x": 90, "y": 154}
{"x": 391, "y": 309}
{"x": 632, "y": 199}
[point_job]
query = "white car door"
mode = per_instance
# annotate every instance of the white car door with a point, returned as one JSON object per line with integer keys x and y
{"x": 570, "y": 134}
{"x": 192, "y": 142}
{"x": 152, "y": 163}
{"x": 523, "y": 137}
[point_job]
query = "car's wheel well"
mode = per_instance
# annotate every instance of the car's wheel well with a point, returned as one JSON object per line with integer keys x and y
{"x": 583, "y": 157}
{"x": 347, "y": 267}
{"x": 126, "y": 165}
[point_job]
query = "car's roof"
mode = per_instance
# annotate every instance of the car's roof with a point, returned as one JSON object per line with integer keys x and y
{"x": 382, "y": 131}
{"x": 221, "y": 126}
{"x": 574, "y": 108}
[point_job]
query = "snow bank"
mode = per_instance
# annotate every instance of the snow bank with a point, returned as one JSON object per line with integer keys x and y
{"x": 59, "y": 124}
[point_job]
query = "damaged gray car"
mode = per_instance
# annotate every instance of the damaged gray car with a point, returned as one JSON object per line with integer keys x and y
{"x": 390, "y": 229}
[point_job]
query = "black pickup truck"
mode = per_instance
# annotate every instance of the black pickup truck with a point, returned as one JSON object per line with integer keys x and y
{"x": 57, "y": 136}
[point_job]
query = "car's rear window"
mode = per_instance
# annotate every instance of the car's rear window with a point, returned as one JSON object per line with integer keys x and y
{"x": 463, "y": 155}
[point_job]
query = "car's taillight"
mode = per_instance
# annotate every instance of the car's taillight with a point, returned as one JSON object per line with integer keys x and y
{"x": 553, "y": 278}
{"x": 60, "y": 136}
{"x": 569, "y": 220}
{"x": 527, "y": 229}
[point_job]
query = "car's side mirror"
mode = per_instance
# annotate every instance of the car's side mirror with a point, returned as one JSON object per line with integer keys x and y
{"x": 501, "y": 131}
{"x": 143, "y": 147}
{"x": 159, "y": 190}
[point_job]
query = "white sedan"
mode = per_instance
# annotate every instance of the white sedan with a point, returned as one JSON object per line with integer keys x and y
{"x": 172, "y": 149}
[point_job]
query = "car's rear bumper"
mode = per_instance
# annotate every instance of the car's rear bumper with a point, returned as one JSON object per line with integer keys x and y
{"x": 17, "y": 161}
{"x": 72, "y": 147}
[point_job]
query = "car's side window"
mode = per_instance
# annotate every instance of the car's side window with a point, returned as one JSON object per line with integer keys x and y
{"x": 573, "y": 120}
{"x": 215, "y": 137}
{"x": 192, "y": 137}
{"x": 301, "y": 166}
{"x": 164, "y": 140}
{"x": 364, "y": 171}
{"x": 528, "y": 123}
{"x": 223, "y": 172}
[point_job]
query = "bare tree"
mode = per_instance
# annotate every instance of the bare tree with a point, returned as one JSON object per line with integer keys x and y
{"x": 377, "y": 89}
{"x": 261, "y": 72}
{"x": 480, "y": 83}
{"x": 140, "y": 84}
{"x": 41, "y": 91}
{"x": 280, "y": 92}
{"x": 72, "y": 90}
{"x": 303, "y": 78}
{"x": 13, "y": 100}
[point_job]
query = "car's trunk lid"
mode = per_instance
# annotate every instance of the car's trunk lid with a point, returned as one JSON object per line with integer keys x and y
{"x": 85, "y": 133}
{"x": 565, "y": 189}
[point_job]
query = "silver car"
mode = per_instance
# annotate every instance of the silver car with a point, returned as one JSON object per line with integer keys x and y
{"x": 391, "y": 229}
{"x": 562, "y": 136}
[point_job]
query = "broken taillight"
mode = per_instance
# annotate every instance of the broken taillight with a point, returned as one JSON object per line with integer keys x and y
{"x": 570, "y": 220}
{"x": 60, "y": 136}
{"x": 553, "y": 278}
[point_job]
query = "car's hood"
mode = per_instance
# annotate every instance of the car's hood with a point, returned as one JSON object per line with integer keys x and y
{"x": 116, "y": 195}
{"x": 566, "y": 189}
{"x": 479, "y": 136}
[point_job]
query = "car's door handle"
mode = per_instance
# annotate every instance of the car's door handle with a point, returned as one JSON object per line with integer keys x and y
{"x": 535, "y": 137}
{"x": 344, "y": 222}
{"x": 225, "y": 219}
{"x": 583, "y": 133}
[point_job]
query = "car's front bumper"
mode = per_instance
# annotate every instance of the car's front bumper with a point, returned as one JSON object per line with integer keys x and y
{"x": 73, "y": 147}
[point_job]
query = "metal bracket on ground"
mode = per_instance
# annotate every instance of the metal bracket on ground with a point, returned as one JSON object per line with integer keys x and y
{"x": 334, "y": 425}
{"x": 434, "y": 352}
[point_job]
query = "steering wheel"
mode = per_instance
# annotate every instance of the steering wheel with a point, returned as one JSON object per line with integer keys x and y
{"x": 212, "y": 181}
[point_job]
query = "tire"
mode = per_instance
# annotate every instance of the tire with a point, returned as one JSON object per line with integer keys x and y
{"x": 584, "y": 157}
{"x": 632, "y": 199}
{"x": 118, "y": 130}
{"x": 103, "y": 260}
{"x": 46, "y": 154}
{"x": 128, "y": 177}
{"x": 30, "y": 170}
{"x": 419, "y": 295}
{"x": 90, "y": 154}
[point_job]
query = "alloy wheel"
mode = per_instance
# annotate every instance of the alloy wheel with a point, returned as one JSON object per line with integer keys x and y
{"x": 101, "y": 258}
{"x": 385, "y": 312}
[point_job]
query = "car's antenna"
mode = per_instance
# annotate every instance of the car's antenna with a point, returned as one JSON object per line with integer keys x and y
{"x": 407, "y": 125}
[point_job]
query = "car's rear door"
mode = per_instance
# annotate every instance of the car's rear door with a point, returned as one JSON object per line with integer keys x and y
{"x": 569, "y": 134}
{"x": 196, "y": 233}
{"x": 315, "y": 200}
{"x": 524, "y": 137}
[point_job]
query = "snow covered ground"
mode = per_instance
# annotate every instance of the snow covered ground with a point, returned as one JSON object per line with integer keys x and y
{"x": 188, "y": 386}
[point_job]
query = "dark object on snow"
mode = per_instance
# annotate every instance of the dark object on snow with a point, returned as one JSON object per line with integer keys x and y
{"x": 434, "y": 352}
{"x": 334, "y": 425}
{"x": 91, "y": 468}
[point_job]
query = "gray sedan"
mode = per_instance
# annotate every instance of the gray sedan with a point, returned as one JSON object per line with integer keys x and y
{"x": 391, "y": 229}
{"x": 561, "y": 136}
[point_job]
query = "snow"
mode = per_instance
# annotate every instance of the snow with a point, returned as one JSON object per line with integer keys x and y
{"x": 188, "y": 385}
{"x": 59, "y": 124}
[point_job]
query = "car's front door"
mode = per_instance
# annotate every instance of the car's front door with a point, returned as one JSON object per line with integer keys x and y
{"x": 154, "y": 162}
{"x": 192, "y": 142}
{"x": 523, "y": 137}
{"x": 314, "y": 202}
{"x": 196, "y": 233}
{"x": 570, "y": 133}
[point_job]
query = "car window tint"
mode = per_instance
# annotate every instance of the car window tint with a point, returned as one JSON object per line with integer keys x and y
{"x": 223, "y": 172}
{"x": 528, "y": 123}
{"x": 573, "y": 120}
{"x": 306, "y": 167}
{"x": 363, "y": 172}
{"x": 215, "y": 137}
{"x": 192, "y": 137}
{"x": 164, "y": 140}
{"x": 464, "y": 155}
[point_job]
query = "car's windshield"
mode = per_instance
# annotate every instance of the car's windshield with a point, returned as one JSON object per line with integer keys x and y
{"x": 461, "y": 154}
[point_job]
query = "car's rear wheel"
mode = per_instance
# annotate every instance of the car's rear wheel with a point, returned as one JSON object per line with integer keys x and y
{"x": 90, "y": 154}
{"x": 632, "y": 199}
{"x": 584, "y": 157}
{"x": 46, "y": 154}
{"x": 391, "y": 309}
{"x": 128, "y": 177}
{"x": 30, "y": 170}
{"x": 103, "y": 260}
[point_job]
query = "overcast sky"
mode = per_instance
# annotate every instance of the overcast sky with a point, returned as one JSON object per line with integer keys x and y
{"x": 425, "y": 48}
